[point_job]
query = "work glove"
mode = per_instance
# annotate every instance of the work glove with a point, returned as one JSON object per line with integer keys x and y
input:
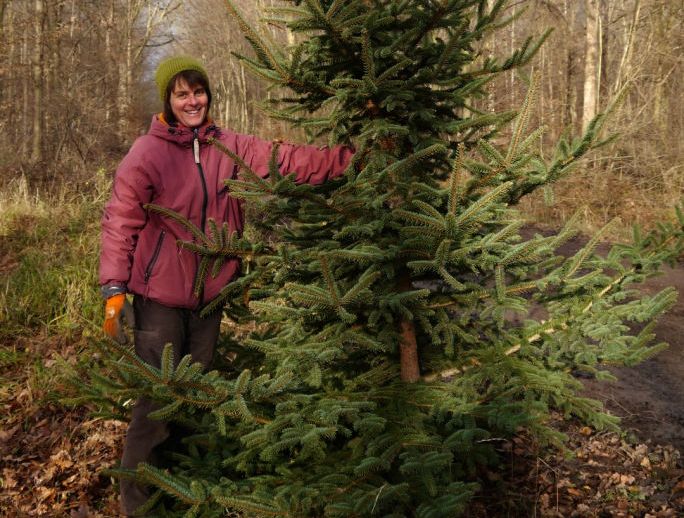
{"x": 117, "y": 312}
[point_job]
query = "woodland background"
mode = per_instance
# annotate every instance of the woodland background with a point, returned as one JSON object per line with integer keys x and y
{"x": 76, "y": 89}
{"x": 75, "y": 85}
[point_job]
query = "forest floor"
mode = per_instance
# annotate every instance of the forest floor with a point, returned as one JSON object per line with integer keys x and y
{"x": 637, "y": 473}
{"x": 50, "y": 457}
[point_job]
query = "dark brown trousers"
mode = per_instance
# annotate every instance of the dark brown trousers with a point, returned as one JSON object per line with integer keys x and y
{"x": 155, "y": 326}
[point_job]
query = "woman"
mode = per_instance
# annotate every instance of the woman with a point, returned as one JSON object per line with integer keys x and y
{"x": 174, "y": 166}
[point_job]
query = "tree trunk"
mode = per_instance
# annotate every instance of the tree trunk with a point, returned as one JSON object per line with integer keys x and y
{"x": 54, "y": 115}
{"x": 245, "y": 119}
{"x": 6, "y": 61}
{"x": 109, "y": 59}
{"x": 123, "y": 93}
{"x": 408, "y": 353}
{"x": 623, "y": 73}
{"x": 569, "y": 95}
{"x": 408, "y": 347}
{"x": 25, "y": 81}
{"x": 591, "y": 62}
{"x": 3, "y": 8}
{"x": 125, "y": 71}
{"x": 37, "y": 65}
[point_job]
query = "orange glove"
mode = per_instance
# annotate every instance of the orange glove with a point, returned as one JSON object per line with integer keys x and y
{"x": 117, "y": 309}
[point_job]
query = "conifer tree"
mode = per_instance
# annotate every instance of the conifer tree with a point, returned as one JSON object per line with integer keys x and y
{"x": 395, "y": 344}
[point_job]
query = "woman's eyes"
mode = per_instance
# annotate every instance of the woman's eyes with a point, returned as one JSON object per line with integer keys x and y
{"x": 197, "y": 93}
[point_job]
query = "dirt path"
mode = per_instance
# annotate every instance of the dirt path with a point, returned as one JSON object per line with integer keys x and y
{"x": 650, "y": 397}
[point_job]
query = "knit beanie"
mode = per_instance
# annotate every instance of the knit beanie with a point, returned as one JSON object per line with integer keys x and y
{"x": 172, "y": 66}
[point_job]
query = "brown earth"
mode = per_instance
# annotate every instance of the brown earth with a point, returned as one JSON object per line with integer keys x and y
{"x": 649, "y": 398}
{"x": 635, "y": 474}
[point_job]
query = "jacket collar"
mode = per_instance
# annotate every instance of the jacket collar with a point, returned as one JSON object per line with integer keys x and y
{"x": 180, "y": 134}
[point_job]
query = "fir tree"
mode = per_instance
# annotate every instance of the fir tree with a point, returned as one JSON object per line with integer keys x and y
{"x": 394, "y": 345}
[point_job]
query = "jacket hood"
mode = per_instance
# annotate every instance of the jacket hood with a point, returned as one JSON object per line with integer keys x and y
{"x": 179, "y": 134}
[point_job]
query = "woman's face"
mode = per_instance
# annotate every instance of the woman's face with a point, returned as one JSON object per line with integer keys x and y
{"x": 189, "y": 103}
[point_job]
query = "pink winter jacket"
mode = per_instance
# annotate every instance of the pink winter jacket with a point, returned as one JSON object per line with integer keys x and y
{"x": 138, "y": 248}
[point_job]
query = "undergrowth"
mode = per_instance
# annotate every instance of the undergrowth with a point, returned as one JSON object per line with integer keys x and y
{"x": 49, "y": 301}
{"x": 602, "y": 191}
{"x": 48, "y": 245}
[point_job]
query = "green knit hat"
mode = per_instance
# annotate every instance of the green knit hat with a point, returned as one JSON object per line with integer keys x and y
{"x": 171, "y": 66}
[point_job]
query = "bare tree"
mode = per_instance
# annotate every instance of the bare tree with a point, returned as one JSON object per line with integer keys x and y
{"x": 37, "y": 69}
{"x": 635, "y": 43}
{"x": 624, "y": 68}
{"x": 77, "y": 74}
{"x": 71, "y": 73}
{"x": 141, "y": 18}
{"x": 592, "y": 65}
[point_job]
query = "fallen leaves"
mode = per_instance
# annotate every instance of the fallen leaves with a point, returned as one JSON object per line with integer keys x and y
{"x": 602, "y": 475}
{"x": 6, "y": 435}
{"x": 56, "y": 470}
{"x": 51, "y": 456}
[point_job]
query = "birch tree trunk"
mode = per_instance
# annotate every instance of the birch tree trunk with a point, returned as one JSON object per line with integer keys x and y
{"x": 591, "y": 62}
{"x": 569, "y": 100}
{"x": 123, "y": 90}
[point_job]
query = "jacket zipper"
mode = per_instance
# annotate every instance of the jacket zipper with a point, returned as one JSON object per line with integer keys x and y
{"x": 155, "y": 256}
{"x": 205, "y": 200}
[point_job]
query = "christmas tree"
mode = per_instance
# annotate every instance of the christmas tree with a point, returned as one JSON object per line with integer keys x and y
{"x": 394, "y": 346}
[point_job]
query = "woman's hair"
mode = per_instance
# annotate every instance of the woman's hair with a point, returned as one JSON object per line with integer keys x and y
{"x": 192, "y": 78}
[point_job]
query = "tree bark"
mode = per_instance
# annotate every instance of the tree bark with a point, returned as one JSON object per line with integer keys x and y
{"x": 408, "y": 347}
{"x": 568, "y": 71}
{"x": 3, "y": 8}
{"x": 408, "y": 353}
{"x": 25, "y": 82}
{"x": 623, "y": 73}
{"x": 53, "y": 114}
{"x": 591, "y": 62}
{"x": 109, "y": 59}
{"x": 124, "y": 69}
{"x": 7, "y": 42}
{"x": 37, "y": 66}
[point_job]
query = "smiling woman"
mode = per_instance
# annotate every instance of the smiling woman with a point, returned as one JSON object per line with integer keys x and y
{"x": 184, "y": 89}
{"x": 174, "y": 166}
{"x": 189, "y": 104}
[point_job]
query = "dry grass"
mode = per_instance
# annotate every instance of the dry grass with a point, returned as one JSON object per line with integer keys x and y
{"x": 601, "y": 194}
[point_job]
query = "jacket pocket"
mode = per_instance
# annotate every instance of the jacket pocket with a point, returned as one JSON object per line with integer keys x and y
{"x": 155, "y": 256}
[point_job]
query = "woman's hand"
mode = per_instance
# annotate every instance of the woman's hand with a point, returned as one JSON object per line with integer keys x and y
{"x": 118, "y": 309}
